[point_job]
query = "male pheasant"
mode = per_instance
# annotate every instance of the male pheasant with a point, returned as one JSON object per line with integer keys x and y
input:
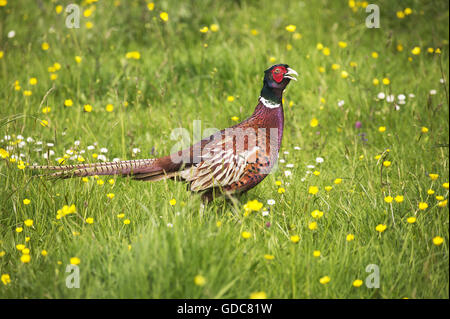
{"x": 232, "y": 160}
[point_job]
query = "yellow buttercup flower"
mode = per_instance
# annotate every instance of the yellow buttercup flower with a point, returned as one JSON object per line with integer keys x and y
{"x": 26, "y": 201}
{"x": 350, "y": 237}
{"x": 313, "y": 190}
{"x": 45, "y": 46}
{"x": 173, "y": 202}
{"x": 399, "y": 198}
{"x": 386, "y": 81}
{"x": 214, "y": 27}
{"x": 433, "y": 176}
{"x": 424, "y": 129}
{"x": 386, "y": 163}
{"x": 75, "y": 261}
{"x": 246, "y": 234}
{"x": 28, "y": 222}
{"x": 316, "y": 214}
{"x": 337, "y": 181}
{"x": 109, "y": 108}
{"x": 438, "y": 240}
{"x": 415, "y": 50}
{"x": 314, "y": 122}
{"x": 150, "y": 6}
{"x": 295, "y": 239}
{"x": 25, "y": 259}
{"x": 258, "y": 295}
{"x": 357, "y": 283}
{"x": 164, "y": 16}
{"x": 388, "y": 199}
{"x": 199, "y": 280}
{"x": 316, "y": 253}
{"x": 269, "y": 257}
{"x": 90, "y": 220}
{"x": 5, "y": 279}
{"x": 400, "y": 14}
{"x": 381, "y": 228}
{"x": 423, "y": 206}
{"x": 291, "y": 28}
{"x": 205, "y": 29}
{"x": 87, "y": 108}
{"x": 374, "y": 55}
{"x": 324, "y": 280}
{"x": 411, "y": 220}
{"x": 445, "y": 185}
{"x": 312, "y": 226}
{"x": 136, "y": 55}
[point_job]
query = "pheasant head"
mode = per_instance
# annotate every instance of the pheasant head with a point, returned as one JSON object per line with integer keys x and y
{"x": 276, "y": 78}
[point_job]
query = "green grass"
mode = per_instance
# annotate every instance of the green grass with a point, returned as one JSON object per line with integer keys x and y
{"x": 176, "y": 81}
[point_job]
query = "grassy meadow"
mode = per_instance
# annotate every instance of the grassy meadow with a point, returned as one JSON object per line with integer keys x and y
{"x": 363, "y": 174}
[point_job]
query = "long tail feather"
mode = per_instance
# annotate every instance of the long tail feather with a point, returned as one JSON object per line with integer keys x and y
{"x": 147, "y": 167}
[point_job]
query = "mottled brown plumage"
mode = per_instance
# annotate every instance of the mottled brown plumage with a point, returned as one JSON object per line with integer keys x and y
{"x": 229, "y": 161}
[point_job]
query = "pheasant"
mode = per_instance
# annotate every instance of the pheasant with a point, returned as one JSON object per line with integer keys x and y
{"x": 232, "y": 160}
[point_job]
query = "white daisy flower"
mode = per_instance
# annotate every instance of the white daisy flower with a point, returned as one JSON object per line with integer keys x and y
{"x": 297, "y": 148}
{"x": 381, "y": 96}
{"x": 116, "y": 159}
{"x": 136, "y": 150}
{"x": 11, "y": 34}
{"x": 287, "y": 173}
{"x": 341, "y": 103}
{"x": 310, "y": 166}
{"x": 102, "y": 158}
{"x": 433, "y": 92}
{"x": 20, "y": 137}
{"x": 265, "y": 213}
{"x": 77, "y": 143}
{"x": 319, "y": 160}
{"x": 91, "y": 147}
{"x": 270, "y": 202}
{"x": 411, "y": 95}
{"x": 390, "y": 98}
{"x": 104, "y": 150}
{"x": 29, "y": 139}
{"x": 289, "y": 165}
{"x": 401, "y": 97}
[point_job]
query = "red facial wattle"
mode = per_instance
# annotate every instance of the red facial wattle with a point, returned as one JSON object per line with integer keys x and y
{"x": 278, "y": 74}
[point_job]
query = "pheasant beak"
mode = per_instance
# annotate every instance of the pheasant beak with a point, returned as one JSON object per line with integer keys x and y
{"x": 290, "y": 74}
